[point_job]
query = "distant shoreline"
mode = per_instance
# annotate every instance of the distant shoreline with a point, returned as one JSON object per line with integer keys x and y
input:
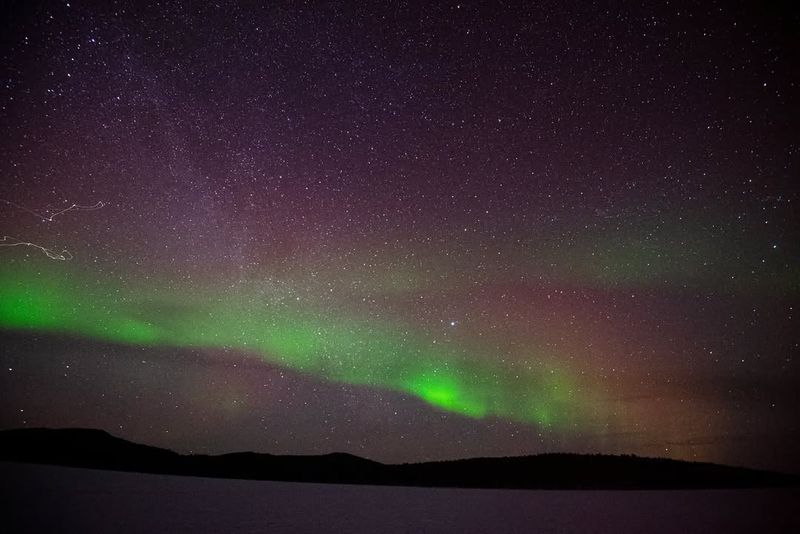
{"x": 97, "y": 449}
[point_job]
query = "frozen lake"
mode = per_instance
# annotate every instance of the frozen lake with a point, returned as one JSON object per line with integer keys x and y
{"x": 62, "y": 499}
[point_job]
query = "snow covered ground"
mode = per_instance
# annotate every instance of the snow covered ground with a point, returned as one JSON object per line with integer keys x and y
{"x": 61, "y": 499}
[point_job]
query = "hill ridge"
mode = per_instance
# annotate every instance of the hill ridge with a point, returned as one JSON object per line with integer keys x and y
{"x": 95, "y": 448}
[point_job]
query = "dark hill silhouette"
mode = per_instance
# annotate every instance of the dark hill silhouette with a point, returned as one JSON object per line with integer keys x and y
{"x": 98, "y": 449}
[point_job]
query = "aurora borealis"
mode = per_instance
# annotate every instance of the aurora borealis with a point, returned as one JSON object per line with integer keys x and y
{"x": 407, "y": 232}
{"x": 290, "y": 335}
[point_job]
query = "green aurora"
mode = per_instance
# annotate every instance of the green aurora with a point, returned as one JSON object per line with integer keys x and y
{"x": 327, "y": 345}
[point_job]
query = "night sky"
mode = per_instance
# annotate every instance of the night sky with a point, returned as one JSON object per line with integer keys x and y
{"x": 407, "y": 232}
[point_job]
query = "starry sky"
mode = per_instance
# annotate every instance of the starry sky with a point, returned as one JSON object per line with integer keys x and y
{"x": 407, "y": 231}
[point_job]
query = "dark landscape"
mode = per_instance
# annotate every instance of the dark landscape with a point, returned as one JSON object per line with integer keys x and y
{"x": 100, "y": 450}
